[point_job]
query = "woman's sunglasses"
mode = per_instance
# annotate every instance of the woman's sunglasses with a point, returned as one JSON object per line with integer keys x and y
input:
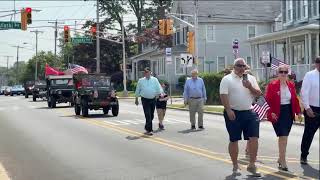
{"x": 283, "y": 72}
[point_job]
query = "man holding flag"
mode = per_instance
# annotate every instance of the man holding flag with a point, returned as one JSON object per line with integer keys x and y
{"x": 237, "y": 92}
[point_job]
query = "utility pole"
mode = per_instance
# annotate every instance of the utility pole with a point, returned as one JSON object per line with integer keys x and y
{"x": 196, "y": 35}
{"x": 7, "y": 64}
{"x": 98, "y": 40}
{"x": 125, "y": 92}
{"x": 36, "y": 65}
{"x": 55, "y": 36}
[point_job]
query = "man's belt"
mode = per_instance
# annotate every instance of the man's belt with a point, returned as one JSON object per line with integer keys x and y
{"x": 195, "y": 97}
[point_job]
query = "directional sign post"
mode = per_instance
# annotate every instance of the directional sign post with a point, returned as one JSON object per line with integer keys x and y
{"x": 81, "y": 40}
{"x": 10, "y": 25}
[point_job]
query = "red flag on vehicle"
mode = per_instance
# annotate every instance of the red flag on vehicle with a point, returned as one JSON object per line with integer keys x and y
{"x": 52, "y": 71}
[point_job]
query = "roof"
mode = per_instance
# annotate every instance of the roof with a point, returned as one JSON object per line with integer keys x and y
{"x": 60, "y": 77}
{"x": 231, "y": 11}
{"x": 285, "y": 33}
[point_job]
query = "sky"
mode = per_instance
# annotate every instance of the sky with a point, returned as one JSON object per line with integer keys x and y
{"x": 66, "y": 12}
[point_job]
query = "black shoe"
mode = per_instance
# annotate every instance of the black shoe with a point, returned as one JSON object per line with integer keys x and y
{"x": 201, "y": 127}
{"x": 193, "y": 127}
{"x": 149, "y": 133}
{"x": 303, "y": 161}
{"x": 161, "y": 127}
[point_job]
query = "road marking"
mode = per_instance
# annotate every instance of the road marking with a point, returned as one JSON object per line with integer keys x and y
{"x": 3, "y": 173}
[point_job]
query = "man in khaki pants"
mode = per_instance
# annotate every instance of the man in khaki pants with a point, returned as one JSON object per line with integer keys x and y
{"x": 195, "y": 96}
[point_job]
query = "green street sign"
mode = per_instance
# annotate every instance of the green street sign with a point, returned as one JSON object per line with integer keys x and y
{"x": 208, "y": 62}
{"x": 81, "y": 40}
{"x": 10, "y": 25}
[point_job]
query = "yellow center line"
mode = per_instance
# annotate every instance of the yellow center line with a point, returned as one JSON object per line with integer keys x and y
{"x": 3, "y": 173}
{"x": 194, "y": 150}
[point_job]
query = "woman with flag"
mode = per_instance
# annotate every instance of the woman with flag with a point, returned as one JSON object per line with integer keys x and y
{"x": 282, "y": 99}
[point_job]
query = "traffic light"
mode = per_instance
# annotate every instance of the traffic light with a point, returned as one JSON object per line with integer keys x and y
{"x": 162, "y": 26}
{"x": 23, "y": 19}
{"x": 66, "y": 31}
{"x": 190, "y": 40}
{"x": 93, "y": 30}
{"x": 29, "y": 15}
{"x": 169, "y": 26}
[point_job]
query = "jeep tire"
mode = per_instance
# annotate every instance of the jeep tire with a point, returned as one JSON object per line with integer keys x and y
{"x": 34, "y": 98}
{"x": 115, "y": 110}
{"x": 106, "y": 110}
{"x": 77, "y": 109}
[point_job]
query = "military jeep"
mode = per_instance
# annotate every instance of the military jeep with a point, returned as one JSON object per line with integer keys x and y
{"x": 39, "y": 90}
{"x": 59, "y": 90}
{"x": 94, "y": 91}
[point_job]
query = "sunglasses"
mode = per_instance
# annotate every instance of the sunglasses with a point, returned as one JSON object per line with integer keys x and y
{"x": 283, "y": 72}
{"x": 241, "y": 65}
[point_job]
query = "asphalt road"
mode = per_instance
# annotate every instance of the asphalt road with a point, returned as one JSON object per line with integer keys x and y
{"x": 37, "y": 143}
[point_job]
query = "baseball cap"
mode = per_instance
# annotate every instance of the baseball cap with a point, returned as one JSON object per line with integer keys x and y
{"x": 147, "y": 69}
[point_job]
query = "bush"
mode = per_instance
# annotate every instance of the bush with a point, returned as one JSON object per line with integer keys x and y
{"x": 131, "y": 85}
{"x": 182, "y": 79}
{"x": 212, "y": 83}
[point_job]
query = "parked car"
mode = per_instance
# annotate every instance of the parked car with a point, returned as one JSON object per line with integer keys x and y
{"x": 39, "y": 90}
{"x": 17, "y": 89}
{"x": 2, "y": 89}
{"x": 7, "y": 91}
{"x": 28, "y": 86}
{"x": 59, "y": 90}
{"x": 94, "y": 91}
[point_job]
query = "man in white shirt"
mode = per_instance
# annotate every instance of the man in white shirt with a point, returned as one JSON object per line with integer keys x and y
{"x": 310, "y": 99}
{"x": 237, "y": 92}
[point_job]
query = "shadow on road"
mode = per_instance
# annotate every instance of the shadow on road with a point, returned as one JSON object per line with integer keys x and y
{"x": 58, "y": 107}
{"x": 137, "y": 137}
{"x": 189, "y": 131}
{"x": 310, "y": 171}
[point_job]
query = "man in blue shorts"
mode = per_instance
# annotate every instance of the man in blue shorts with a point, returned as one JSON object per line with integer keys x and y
{"x": 237, "y": 92}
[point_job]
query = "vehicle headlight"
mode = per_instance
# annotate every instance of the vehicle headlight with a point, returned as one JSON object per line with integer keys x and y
{"x": 59, "y": 92}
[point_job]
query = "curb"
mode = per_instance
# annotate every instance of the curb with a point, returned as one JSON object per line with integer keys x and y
{"x": 221, "y": 114}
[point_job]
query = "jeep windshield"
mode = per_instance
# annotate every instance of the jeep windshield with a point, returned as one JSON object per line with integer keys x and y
{"x": 95, "y": 81}
{"x": 59, "y": 82}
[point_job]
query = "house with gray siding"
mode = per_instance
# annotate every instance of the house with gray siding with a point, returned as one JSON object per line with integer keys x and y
{"x": 219, "y": 24}
{"x": 295, "y": 41}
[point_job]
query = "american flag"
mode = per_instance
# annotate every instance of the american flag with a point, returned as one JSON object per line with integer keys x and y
{"x": 275, "y": 63}
{"x": 77, "y": 68}
{"x": 261, "y": 107}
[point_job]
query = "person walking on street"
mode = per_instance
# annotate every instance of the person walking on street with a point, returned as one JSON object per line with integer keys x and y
{"x": 237, "y": 92}
{"x": 195, "y": 96}
{"x": 148, "y": 88}
{"x": 310, "y": 99}
{"x": 161, "y": 105}
{"x": 284, "y": 105}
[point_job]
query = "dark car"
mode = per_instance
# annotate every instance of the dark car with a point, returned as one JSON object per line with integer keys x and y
{"x": 94, "y": 91}
{"x": 59, "y": 90}
{"x": 17, "y": 90}
{"x": 28, "y": 88}
{"x": 39, "y": 90}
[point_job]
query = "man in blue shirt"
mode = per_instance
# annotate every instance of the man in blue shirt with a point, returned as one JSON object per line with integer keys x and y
{"x": 149, "y": 89}
{"x": 195, "y": 96}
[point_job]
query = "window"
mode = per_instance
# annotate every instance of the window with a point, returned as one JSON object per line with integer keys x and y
{"x": 211, "y": 33}
{"x": 315, "y": 8}
{"x": 178, "y": 66}
{"x": 249, "y": 62}
{"x": 162, "y": 66}
{"x": 304, "y": 9}
{"x": 298, "y": 10}
{"x": 289, "y": 11}
{"x": 251, "y": 31}
{"x": 298, "y": 53}
{"x": 178, "y": 38}
{"x": 221, "y": 63}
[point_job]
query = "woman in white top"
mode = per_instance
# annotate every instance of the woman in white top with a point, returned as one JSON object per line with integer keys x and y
{"x": 282, "y": 99}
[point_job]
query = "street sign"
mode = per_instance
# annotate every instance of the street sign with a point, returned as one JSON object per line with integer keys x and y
{"x": 168, "y": 51}
{"x": 208, "y": 62}
{"x": 10, "y": 25}
{"x": 187, "y": 59}
{"x": 81, "y": 40}
{"x": 168, "y": 59}
{"x": 265, "y": 57}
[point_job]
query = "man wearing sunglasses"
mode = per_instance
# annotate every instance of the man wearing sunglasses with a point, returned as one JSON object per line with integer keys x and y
{"x": 237, "y": 92}
{"x": 310, "y": 99}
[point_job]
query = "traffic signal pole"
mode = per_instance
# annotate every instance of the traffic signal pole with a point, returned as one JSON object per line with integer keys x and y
{"x": 36, "y": 65}
{"x": 98, "y": 41}
{"x": 196, "y": 35}
{"x": 124, "y": 64}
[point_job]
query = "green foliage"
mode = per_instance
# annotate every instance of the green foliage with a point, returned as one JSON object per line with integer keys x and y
{"x": 212, "y": 83}
{"x": 131, "y": 85}
{"x": 181, "y": 81}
